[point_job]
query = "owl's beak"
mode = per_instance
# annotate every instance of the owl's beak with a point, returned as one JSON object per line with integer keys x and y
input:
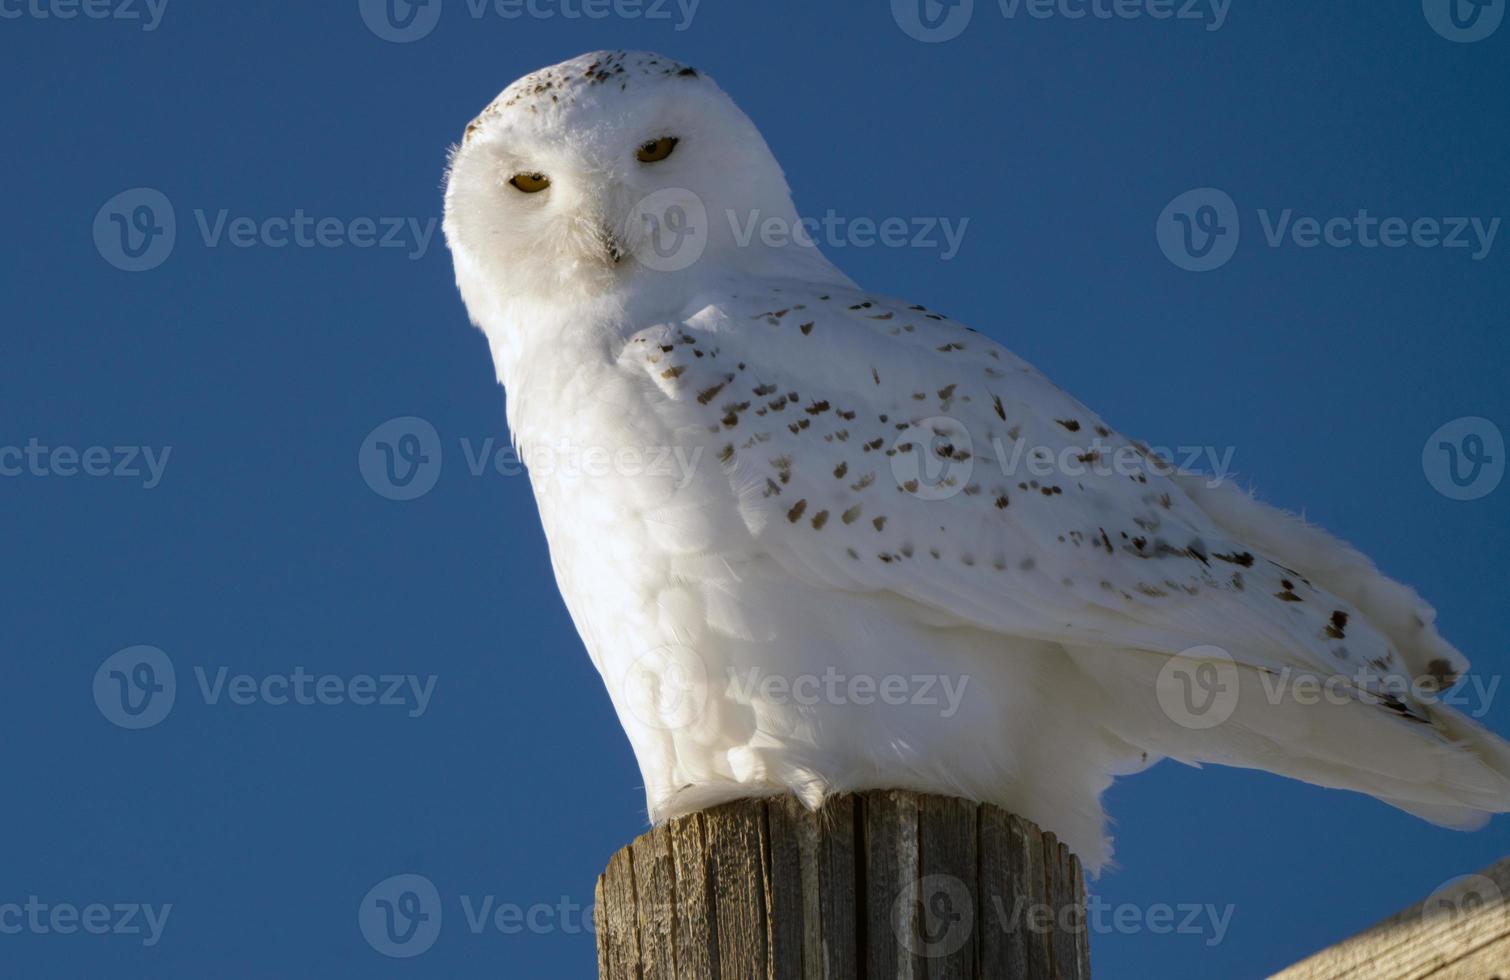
{"x": 602, "y": 235}
{"x": 613, "y": 246}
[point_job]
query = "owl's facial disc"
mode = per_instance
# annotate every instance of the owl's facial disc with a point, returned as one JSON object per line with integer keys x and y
{"x": 597, "y": 174}
{"x": 607, "y": 235}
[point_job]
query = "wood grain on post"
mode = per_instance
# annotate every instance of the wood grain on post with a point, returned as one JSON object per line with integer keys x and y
{"x": 880, "y": 885}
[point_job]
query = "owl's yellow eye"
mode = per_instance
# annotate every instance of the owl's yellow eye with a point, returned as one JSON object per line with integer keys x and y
{"x": 530, "y": 183}
{"x": 654, "y": 151}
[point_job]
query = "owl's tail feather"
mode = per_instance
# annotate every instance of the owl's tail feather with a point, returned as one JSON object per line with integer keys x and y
{"x": 1449, "y": 770}
{"x": 1485, "y": 747}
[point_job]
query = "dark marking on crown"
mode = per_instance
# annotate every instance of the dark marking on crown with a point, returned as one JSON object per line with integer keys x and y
{"x": 561, "y": 86}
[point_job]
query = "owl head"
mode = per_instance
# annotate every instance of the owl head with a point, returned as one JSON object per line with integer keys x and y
{"x": 611, "y": 173}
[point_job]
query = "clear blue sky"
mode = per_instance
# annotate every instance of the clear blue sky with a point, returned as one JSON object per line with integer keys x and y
{"x": 258, "y": 546}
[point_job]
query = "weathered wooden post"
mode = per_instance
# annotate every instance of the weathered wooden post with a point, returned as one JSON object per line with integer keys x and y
{"x": 878, "y": 885}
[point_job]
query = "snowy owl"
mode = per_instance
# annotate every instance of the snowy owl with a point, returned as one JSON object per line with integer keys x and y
{"x": 820, "y": 540}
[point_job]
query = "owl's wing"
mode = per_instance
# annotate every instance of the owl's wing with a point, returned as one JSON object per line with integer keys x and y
{"x": 880, "y": 447}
